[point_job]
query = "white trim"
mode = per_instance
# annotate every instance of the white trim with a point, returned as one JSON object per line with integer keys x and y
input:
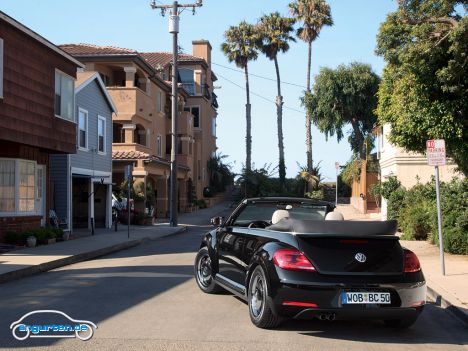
{"x": 85, "y": 112}
{"x": 140, "y": 173}
{"x": 102, "y": 118}
{"x": 39, "y": 38}
{"x": 1, "y": 68}
{"x": 90, "y": 172}
{"x": 159, "y": 145}
{"x": 101, "y": 84}
{"x": 69, "y": 193}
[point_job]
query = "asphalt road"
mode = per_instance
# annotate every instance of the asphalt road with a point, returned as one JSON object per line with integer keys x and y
{"x": 146, "y": 298}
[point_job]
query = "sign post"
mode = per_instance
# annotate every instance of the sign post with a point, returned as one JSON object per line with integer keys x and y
{"x": 435, "y": 150}
{"x": 337, "y": 167}
{"x": 128, "y": 178}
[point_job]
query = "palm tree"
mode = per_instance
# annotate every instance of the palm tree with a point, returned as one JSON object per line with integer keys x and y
{"x": 240, "y": 47}
{"x": 274, "y": 37}
{"x": 314, "y": 14}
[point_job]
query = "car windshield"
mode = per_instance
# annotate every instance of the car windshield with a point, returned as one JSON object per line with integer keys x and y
{"x": 263, "y": 211}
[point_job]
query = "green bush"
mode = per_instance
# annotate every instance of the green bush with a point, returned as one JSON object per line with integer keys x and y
{"x": 315, "y": 194}
{"x": 11, "y": 238}
{"x": 388, "y": 187}
{"x": 416, "y": 221}
{"x": 201, "y": 204}
{"x": 395, "y": 203}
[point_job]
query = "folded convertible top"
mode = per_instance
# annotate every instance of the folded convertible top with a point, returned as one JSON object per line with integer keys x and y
{"x": 301, "y": 226}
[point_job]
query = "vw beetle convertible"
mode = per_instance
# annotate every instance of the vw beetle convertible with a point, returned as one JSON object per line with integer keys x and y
{"x": 297, "y": 258}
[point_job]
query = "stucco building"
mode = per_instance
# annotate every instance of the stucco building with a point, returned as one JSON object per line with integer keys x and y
{"x": 139, "y": 84}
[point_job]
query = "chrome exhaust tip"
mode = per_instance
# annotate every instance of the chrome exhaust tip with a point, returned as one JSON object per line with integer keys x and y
{"x": 331, "y": 317}
{"x": 323, "y": 316}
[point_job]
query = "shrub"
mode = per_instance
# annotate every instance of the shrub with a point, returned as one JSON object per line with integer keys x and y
{"x": 389, "y": 187}
{"x": 11, "y": 238}
{"x": 395, "y": 203}
{"x": 202, "y": 203}
{"x": 315, "y": 194}
{"x": 416, "y": 221}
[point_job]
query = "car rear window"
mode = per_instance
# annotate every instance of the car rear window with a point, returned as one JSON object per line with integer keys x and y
{"x": 262, "y": 211}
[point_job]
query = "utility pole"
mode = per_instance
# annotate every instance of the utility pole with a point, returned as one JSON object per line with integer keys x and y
{"x": 174, "y": 30}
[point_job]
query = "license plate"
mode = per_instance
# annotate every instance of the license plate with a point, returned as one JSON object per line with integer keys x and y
{"x": 365, "y": 298}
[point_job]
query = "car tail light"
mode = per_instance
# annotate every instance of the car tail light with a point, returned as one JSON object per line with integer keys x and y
{"x": 411, "y": 262}
{"x": 292, "y": 259}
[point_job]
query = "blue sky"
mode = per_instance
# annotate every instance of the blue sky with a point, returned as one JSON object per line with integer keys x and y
{"x": 132, "y": 24}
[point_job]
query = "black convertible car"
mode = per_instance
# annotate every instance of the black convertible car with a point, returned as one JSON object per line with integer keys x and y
{"x": 288, "y": 260}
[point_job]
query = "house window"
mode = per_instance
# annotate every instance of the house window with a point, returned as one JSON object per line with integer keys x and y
{"x": 159, "y": 101}
{"x": 64, "y": 96}
{"x": 187, "y": 80}
{"x": 17, "y": 186}
{"x": 1, "y": 68}
{"x": 7, "y": 185}
{"x": 101, "y": 134}
{"x": 213, "y": 126}
{"x": 159, "y": 145}
{"x": 195, "y": 111}
{"x": 82, "y": 129}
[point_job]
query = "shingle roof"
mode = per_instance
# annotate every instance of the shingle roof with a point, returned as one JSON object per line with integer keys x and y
{"x": 161, "y": 59}
{"x": 95, "y": 50}
{"x": 129, "y": 155}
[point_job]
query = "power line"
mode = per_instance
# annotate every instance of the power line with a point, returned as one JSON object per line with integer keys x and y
{"x": 260, "y": 96}
{"x": 259, "y": 76}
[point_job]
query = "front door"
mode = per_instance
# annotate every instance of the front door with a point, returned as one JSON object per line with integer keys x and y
{"x": 40, "y": 193}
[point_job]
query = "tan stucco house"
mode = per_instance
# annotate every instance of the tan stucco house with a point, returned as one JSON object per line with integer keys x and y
{"x": 139, "y": 86}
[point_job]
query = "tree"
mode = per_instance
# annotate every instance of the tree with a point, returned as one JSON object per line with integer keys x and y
{"x": 314, "y": 14}
{"x": 240, "y": 47}
{"x": 274, "y": 37}
{"x": 423, "y": 94}
{"x": 345, "y": 96}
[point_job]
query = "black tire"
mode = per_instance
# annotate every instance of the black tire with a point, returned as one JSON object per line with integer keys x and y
{"x": 202, "y": 270}
{"x": 401, "y": 323}
{"x": 260, "y": 309}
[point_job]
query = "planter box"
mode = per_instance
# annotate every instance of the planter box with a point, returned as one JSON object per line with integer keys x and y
{"x": 50, "y": 241}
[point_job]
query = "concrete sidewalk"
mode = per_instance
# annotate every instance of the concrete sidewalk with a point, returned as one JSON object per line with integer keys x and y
{"x": 449, "y": 291}
{"x": 28, "y": 261}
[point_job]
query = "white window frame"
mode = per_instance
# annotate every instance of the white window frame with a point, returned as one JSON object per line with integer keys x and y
{"x": 1, "y": 68}
{"x": 85, "y": 112}
{"x": 102, "y": 118}
{"x": 17, "y": 212}
{"x": 72, "y": 117}
{"x": 159, "y": 145}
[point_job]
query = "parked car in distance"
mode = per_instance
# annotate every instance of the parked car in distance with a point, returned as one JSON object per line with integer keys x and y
{"x": 287, "y": 260}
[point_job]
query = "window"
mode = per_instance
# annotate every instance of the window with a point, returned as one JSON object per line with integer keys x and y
{"x": 101, "y": 134}
{"x": 187, "y": 80}
{"x": 27, "y": 177}
{"x": 159, "y": 145}
{"x": 17, "y": 186}
{"x": 195, "y": 111}
{"x": 82, "y": 129}
{"x": 213, "y": 126}
{"x": 64, "y": 96}
{"x": 160, "y": 101}
{"x": 7, "y": 185}
{"x": 1, "y": 68}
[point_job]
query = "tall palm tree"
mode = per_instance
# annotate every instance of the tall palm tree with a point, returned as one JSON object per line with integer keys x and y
{"x": 274, "y": 37}
{"x": 314, "y": 14}
{"x": 240, "y": 47}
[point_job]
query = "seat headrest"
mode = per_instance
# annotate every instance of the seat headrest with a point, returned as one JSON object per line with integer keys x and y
{"x": 278, "y": 215}
{"x": 334, "y": 216}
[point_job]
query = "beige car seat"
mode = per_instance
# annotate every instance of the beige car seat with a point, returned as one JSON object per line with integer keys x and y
{"x": 278, "y": 215}
{"x": 334, "y": 216}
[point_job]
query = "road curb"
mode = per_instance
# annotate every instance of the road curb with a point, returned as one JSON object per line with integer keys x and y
{"x": 84, "y": 256}
{"x": 441, "y": 301}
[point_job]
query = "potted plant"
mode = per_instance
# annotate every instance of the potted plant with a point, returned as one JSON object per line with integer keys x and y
{"x": 31, "y": 240}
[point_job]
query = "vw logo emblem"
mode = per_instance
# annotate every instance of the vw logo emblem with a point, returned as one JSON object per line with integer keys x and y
{"x": 360, "y": 257}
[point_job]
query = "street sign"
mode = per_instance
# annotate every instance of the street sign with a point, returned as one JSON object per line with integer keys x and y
{"x": 435, "y": 150}
{"x": 128, "y": 172}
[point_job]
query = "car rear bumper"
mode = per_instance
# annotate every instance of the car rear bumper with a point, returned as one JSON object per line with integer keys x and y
{"x": 407, "y": 300}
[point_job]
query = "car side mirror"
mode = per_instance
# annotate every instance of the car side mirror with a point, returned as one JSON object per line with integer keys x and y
{"x": 217, "y": 221}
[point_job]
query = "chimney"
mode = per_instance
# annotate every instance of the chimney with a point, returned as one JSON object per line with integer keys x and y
{"x": 202, "y": 48}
